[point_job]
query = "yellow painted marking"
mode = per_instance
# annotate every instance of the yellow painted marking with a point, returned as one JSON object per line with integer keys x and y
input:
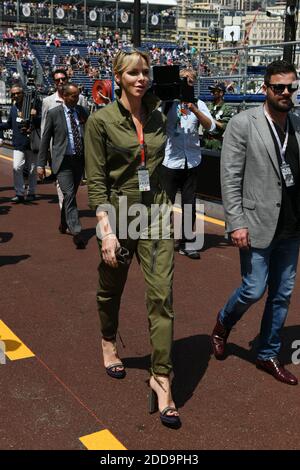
{"x": 14, "y": 348}
{"x": 212, "y": 220}
{"x": 48, "y": 172}
{"x": 6, "y": 158}
{"x": 102, "y": 440}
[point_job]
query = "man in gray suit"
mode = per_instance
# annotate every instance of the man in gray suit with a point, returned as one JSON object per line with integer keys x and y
{"x": 64, "y": 125}
{"x": 60, "y": 78}
{"x": 260, "y": 180}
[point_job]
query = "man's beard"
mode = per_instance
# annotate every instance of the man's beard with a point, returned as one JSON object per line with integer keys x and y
{"x": 280, "y": 107}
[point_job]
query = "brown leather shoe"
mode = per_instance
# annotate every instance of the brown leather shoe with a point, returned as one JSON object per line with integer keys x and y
{"x": 273, "y": 367}
{"x": 219, "y": 339}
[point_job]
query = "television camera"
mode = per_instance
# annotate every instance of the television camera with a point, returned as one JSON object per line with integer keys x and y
{"x": 31, "y": 100}
{"x": 169, "y": 86}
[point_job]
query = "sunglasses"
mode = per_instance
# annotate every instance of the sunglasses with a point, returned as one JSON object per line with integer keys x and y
{"x": 278, "y": 88}
{"x": 122, "y": 255}
{"x": 60, "y": 79}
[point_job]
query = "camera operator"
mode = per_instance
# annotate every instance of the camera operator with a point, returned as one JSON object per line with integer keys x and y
{"x": 183, "y": 154}
{"x": 22, "y": 153}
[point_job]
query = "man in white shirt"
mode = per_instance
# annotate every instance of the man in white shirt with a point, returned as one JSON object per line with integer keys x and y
{"x": 60, "y": 79}
{"x": 183, "y": 155}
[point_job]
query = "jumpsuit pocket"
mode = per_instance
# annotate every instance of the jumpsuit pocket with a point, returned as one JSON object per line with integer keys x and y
{"x": 154, "y": 255}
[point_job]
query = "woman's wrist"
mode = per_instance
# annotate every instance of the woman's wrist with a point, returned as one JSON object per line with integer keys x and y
{"x": 108, "y": 235}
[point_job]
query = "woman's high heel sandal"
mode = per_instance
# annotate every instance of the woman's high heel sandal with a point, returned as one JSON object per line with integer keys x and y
{"x": 115, "y": 370}
{"x": 171, "y": 421}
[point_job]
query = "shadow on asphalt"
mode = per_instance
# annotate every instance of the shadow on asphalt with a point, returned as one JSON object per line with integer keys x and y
{"x": 87, "y": 213}
{"x": 4, "y": 210}
{"x": 4, "y": 260}
{"x": 3, "y": 200}
{"x": 11, "y": 345}
{"x": 5, "y": 236}
{"x": 191, "y": 356}
{"x": 88, "y": 233}
{"x": 188, "y": 372}
{"x": 214, "y": 241}
{"x": 288, "y": 336}
{"x": 51, "y": 198}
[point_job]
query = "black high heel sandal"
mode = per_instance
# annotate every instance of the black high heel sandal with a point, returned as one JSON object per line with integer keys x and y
{"x": 171, "y": 421}
{"x": 114, "y": 373}
{"x": 111, "y": 370}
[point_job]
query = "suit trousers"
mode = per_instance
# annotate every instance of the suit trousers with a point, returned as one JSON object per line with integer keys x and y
{"x": 20, "y": 158}
{"x": 69, "y": 177}
{"x": 156, "y": 258}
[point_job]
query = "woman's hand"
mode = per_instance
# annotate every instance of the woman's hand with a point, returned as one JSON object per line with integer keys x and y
{"x": 110, "y": 244}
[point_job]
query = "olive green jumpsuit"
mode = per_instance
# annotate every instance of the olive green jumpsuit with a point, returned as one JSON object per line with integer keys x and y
{"x": 113, "y": 155}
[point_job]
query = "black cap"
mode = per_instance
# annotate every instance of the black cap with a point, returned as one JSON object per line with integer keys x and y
{"x": 218, "y": 86}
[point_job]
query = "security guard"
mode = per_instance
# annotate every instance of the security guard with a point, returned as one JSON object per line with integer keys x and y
{"x": 221, "y": 113}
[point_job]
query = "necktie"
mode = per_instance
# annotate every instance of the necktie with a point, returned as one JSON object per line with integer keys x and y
{"x": 76, "y": 134}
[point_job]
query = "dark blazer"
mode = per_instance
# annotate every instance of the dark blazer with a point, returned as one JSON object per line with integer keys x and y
{"x": 20, "y": 140}
{"x": 57, "y": 130}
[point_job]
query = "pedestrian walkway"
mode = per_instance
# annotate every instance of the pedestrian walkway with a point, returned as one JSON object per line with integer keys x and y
{"x": 57, "y": 395}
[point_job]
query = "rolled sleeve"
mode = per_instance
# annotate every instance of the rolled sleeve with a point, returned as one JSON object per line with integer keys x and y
{"x": 204, "y": 109}
{"x": 96, "y": 162}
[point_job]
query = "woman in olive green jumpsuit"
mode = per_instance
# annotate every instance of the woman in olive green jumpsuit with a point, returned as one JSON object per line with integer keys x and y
{"x": 124, "y": 140}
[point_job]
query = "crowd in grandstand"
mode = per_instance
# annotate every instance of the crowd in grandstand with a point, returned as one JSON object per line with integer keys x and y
{"x": 76, "y": 11}
{"x": 94, "y": 61}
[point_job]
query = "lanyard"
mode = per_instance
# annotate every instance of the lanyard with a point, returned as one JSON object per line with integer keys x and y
{"x": 282, "y": 148}
{"x": 181, "y": 112}
{"x": 142, "y": 146}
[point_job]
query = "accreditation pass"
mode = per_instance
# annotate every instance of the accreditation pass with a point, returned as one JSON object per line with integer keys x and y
{"x": 144, "y": 179}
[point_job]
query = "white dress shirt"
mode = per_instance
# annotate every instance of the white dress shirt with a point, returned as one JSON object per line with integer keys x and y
{"x": 183, "y": 144}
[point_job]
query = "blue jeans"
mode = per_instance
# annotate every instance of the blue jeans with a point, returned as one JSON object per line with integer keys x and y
{"x": 273, "y": 267}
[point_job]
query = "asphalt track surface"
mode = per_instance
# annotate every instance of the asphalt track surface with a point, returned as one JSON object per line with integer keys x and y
{"x": 62, "y": 393}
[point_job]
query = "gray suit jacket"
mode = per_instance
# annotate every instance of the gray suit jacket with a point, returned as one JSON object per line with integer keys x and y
{"x": 48, "y": 103}
{"x": 56, "y": 129}
{"x": 250, "y": 176}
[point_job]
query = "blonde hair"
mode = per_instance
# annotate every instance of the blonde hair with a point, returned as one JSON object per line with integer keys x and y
{"x": 123, "y": 60}
{"x": 189, "y": 73}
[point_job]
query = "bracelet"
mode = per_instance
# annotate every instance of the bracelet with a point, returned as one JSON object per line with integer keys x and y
{"x": 107, "y": 235}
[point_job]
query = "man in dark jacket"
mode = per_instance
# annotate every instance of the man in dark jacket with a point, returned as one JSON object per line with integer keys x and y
{"x": 22, "y": 154}
{"x": 64, "y": 125}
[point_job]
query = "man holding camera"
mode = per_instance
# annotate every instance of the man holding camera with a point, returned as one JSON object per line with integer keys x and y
{"x": 183, "y": 156}
{"x": 22, "y": 154}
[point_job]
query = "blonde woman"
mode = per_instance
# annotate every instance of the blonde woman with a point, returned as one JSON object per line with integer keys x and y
{"x": 124, "y": 150}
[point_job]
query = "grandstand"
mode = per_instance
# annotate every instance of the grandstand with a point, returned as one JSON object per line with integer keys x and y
{"x": 86, "y": 18}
